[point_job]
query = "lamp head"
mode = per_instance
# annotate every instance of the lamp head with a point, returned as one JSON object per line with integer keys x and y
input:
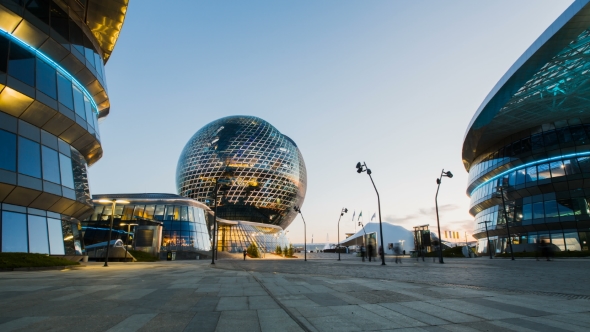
{"x": 449, "y": 174}
{"x": 358, "y": 165}
{"x": 345, "y": 210}
{"x": 369, "y": 171}
{"x": 437, "y": 181}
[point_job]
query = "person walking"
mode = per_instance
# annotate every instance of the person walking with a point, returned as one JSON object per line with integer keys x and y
{"x": 244, "y": 254}
{"x": 370, "y": 251}
{"x": 363, "y": 252}
{"x": 381, "y": 253}
{"x": 396, "y": 251}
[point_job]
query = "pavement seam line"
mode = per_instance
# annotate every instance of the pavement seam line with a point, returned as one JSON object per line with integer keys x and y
{"x": 293, "y": 317}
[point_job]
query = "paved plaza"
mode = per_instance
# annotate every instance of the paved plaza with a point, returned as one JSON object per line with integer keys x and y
{"x": 321, "y": 294}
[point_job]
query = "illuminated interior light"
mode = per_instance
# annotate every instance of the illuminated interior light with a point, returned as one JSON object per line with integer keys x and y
{"x": 532, "y": 163}
{"x": 53, "y": 64}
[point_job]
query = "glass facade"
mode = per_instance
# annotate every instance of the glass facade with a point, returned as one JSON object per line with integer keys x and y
{"x": 36, "y": 231}
{"x": 265, "y": 170}
{"x": 52, "y": 91}
{"x": 530, "y": 142}
{"x": 183, "y": 220}
{"x": 235, "y": 237}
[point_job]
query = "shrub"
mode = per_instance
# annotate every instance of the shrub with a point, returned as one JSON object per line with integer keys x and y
{"x": 278, "y": 250}
{"x": 285, "y": 251}
{"x": 253, "y": 250}
{"x": 290, "y": 250}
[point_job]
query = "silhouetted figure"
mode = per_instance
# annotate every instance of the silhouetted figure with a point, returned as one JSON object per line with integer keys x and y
{"x": 396, "y": 251}
{"x": 370, "y": 251}
{"x": 381, "y": 253}
{"x": 363, "y": 252}
{"x": 244, "y": 254}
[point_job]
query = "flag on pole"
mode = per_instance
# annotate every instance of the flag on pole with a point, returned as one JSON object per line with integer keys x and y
{"x": 360, "y": 215}
{"x": 353, "y": 214}
{"x": 374, "y": 216}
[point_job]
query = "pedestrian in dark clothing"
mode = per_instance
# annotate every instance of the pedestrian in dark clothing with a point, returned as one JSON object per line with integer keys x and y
{"x": 396, "y": 251}
{"x": 363, "y": 252}
{"x": 244, "y": 254}
{"x": 381, "y": 253}
{"x": 370, "y": 251}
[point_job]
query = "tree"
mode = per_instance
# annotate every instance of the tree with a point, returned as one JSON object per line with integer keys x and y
{"x": 278, "y": 250}
{"x": 291, "y": 250}
{"x": 253, "y": 250}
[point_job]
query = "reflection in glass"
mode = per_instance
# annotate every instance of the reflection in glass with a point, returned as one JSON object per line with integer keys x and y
{"x": 56, "y": 238}
{"x": 14, "y": 232}
{"x": 50, "y": 165}
{"x": 67, "y": 176}
{"x": 38, "y": 237}
{"x": 46, "y": 79}
{"x": 7, "y": 151}
{"x": 29, "y": 157}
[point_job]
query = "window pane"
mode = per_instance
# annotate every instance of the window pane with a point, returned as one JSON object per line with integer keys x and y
{"x": 543, "y": 172}
{"x": 7, "y": 151}
{"x": 565, "y": 207}
{"x": 531, "y": 174}
{"x": 38, "y": 239}
{"x": 29, "y": 157}
{"x": 184, "y": 213}
{"x": 56, "y": 243}
{"x": 64, "y": 89}
{"x": 79, "y": 103}
{"x": 14, "y": 232}
{"x": 538, "y": 211}
{"x": 67, "y": 176}
{"x": 527, "y": 212}
{"x": 557, "y": 169}
{"x": 88, "y": 110}
{"x": 21, "y": 64}
{"x": 46, "y": 79}
{"x": 159, "y": 212}
{"x": 551, "y": 209}
{"x": 3, "y": 54}
{"x": 520, "y": 175}
{"x": 149, "y": 212}
{"x": 584, "y": 163}
{"x": 50, "y": 165}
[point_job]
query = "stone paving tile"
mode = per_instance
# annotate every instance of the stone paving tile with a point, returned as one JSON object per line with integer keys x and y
{"x": 261, "y": 302}
{"x": 443, "y": 313}
{"x": 232, "y": 303}
{"x": 245, "y": 320}
{"x": 397, "y": 320}
{"x": 168, "y": 322}
{"x": 475, "y": 309}
{"x": 203, "y": 322}
{"x": 333, "y": 323}
{"x": 507, "y": 307}
{"x": 363, "y": 318}
{"x": 417, "y": 315}
{"x": 535, "y": 326}
{"x": 206, "y": 304}
{"x": 325, "y": 299}
{"x": 276, "y": 320}
{"x": 558, "y": 324}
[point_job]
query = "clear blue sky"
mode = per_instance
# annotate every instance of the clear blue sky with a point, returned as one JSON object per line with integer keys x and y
{"x": 392, "y": 83}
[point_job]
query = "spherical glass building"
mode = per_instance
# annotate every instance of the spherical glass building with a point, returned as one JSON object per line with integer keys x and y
{"x": 263, "y": 171}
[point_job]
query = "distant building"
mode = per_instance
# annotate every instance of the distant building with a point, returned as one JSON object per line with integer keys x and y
{"x": 531, "y": 137}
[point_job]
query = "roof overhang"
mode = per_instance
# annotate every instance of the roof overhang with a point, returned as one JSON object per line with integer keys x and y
{"x": 496, "y": 118}
{"x": 105, "y": 19}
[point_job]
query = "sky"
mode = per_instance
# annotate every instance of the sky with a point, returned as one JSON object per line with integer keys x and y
{"x": 391, "y": 83}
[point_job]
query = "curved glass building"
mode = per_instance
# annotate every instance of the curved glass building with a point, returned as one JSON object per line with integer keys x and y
{"x": 52, "y": 92}
{"x": 182, "y": 221}
{"x": 527, "y": 149}
{"x": 266, "y": 170}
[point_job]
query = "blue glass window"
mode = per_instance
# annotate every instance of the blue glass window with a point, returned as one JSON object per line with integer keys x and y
{"x": 67, "y": 176}
{"x": 56, "y": 242}
{"x": 79, "y": 103}
{"x": 29, "y": 157}
{"x": 538, "y": 211}
{"x": 46, "y": 79}
{"x": 564, "y": 206}
{"x": 527, "y": 212}
{"x": 14, "y": 232}
{"x": 21, "y": 64}
{"x": 64, "y": 89}
{"x": 557, "y": 169}
{"x": 50, "y": 165}
{"x": 7, "y": 151}
{"x": 38, "y": 237}
{"x": 543, "y": 172}
{"x": 88, "y": 110}
{"x": 551, "y": 209}
{"x": 531, "y": 174}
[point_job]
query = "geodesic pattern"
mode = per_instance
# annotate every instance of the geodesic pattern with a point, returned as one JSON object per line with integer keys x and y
{"x": 265, "y": 168}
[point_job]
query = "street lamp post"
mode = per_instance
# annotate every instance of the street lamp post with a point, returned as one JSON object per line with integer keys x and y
{"x": 128, "y": 230}
{"x": 363, "y": 227}
{"x": 298, "y": 210}
{"x": 363, "y": 168}
{"x": 488, "y": 235}
{"x": 344, "y": 210}
{"x": 506, "y": 219}
{"x": 438, "y": 181}
{"x": 114, "y": 204}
